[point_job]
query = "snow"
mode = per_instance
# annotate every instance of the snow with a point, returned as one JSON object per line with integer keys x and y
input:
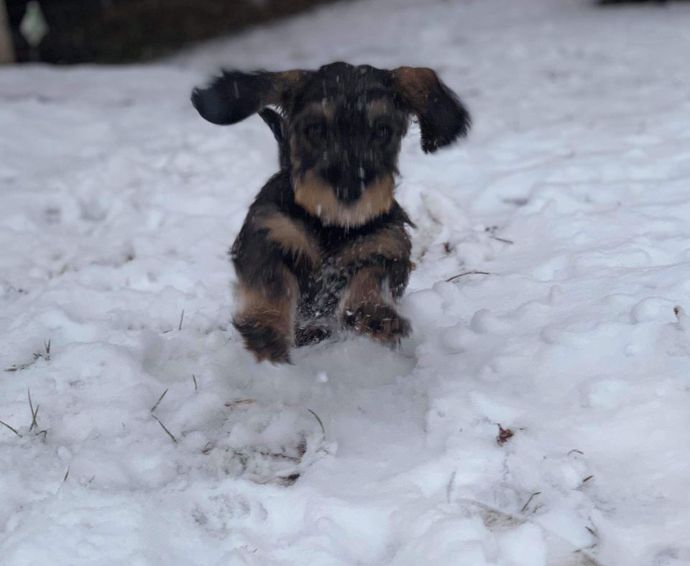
{"x": 570, "y": 198}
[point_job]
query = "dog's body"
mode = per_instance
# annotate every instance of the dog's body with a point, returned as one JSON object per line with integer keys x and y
{"x": 325, "y": 243}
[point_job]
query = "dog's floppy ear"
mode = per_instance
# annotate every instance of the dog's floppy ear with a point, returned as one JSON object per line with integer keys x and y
{"x": 277, "y": 124}
{"x": 235, "y": 95}
{"x": 442, "y": 117}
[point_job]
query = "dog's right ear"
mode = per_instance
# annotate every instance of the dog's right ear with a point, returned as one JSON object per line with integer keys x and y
{"x": 235, "y": 95}
{"x": 442, "y": 117}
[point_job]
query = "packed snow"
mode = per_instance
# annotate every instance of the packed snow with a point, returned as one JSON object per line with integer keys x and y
{"x": 539, "y": 413}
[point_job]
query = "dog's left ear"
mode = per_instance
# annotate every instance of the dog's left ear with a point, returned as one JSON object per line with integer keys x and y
{"x": 442, "y": 117}
{"x": 236, "y": 95}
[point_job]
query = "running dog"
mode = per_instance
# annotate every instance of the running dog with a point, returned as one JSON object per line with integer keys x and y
{"x": 324, "y": 245}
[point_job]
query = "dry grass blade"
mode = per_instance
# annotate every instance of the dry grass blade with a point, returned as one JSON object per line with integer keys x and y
{"x": 14, "y": 430}
{"x": 473, "y": 272}
{"x": 170, "y": 434}
{"x": 318, "y": 419}
{"x": 239, "y": 403}
{"x": 196, "y": 385}
{"x": 34, "y": 416}
{"x": 159, "y": 401}
{"x": 524, "y": 507}
{"x": 34, "y": 412}
{"x": 44, "y": 355}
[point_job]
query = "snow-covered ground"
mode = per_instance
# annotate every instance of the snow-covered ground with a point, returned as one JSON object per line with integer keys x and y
{"x": 572, "y": 195}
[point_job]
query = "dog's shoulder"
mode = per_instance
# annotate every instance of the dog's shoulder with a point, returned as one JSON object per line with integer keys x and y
{"x": 277, "y": 192}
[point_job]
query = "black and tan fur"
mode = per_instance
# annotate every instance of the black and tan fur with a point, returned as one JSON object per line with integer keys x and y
{"x": 324, "y": 244}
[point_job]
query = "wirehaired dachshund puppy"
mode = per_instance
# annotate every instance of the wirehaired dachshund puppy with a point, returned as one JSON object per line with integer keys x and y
{"x": 324, "y": 245}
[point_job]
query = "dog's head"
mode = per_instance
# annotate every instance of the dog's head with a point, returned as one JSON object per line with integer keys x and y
{"x": 343, "y": 126}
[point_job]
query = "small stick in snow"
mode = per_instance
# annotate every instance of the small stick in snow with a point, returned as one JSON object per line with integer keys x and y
{"x": 504, "y": 240}
{"x": 576, "y": 451}
{"x": 179, "y": 326}
{"x": 196, "y": 385}
{"x": 14, "y": 430}
{"x": 587, "y": 479}
{"x": 66, "y": 475}
{"x": 240, "y": 402}
{"x": 159, "y": 401}
{"x": 473, "y": 272}
{"x": 170, "y": 434}
{"x": 524, "y": 507}
{"x": 323, "y": 429}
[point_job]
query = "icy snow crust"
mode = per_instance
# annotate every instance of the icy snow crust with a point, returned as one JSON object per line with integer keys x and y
{"x": 118, "y": 206}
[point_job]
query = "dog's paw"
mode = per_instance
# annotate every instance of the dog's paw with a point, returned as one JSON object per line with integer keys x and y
{"x": 378, "y": 321}
{"x": 266, "y": 343}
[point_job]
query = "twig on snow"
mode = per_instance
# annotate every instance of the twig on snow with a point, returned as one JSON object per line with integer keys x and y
{"x": 459, "y": 275}
{"x": 159, "y": 401}
{"x": 14, "y": 430}
{"x": 524, "y": 507}
{"x": 170, "y": 434}
{"x": 323, "y": 429}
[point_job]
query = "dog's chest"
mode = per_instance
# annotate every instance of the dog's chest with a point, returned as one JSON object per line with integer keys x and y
{"x": 322, "y": 286}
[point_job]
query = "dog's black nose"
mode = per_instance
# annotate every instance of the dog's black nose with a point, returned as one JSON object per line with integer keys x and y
{"x": 348, "y": 194}
{"x": 334, "y": 175}
{"x": 348, "y": 182}
{"x": 347, "y": 186}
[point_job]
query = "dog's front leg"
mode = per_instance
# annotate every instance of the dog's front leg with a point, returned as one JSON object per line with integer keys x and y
{"x": 367, "y": 307}
{"x": 270, "y": 249}
{"x": 266, "y": 316}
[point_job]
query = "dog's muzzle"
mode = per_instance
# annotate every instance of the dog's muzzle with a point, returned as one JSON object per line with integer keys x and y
{"x": 348, "y": 182}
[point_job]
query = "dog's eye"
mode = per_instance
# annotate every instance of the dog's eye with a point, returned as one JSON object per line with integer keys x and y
{"x": 382, "y": 134}
{"x": 315, "y": 132}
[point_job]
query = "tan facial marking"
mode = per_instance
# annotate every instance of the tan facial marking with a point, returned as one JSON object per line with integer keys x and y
{"x": 317, "y": 197}
{"x": 325, "y": 110}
